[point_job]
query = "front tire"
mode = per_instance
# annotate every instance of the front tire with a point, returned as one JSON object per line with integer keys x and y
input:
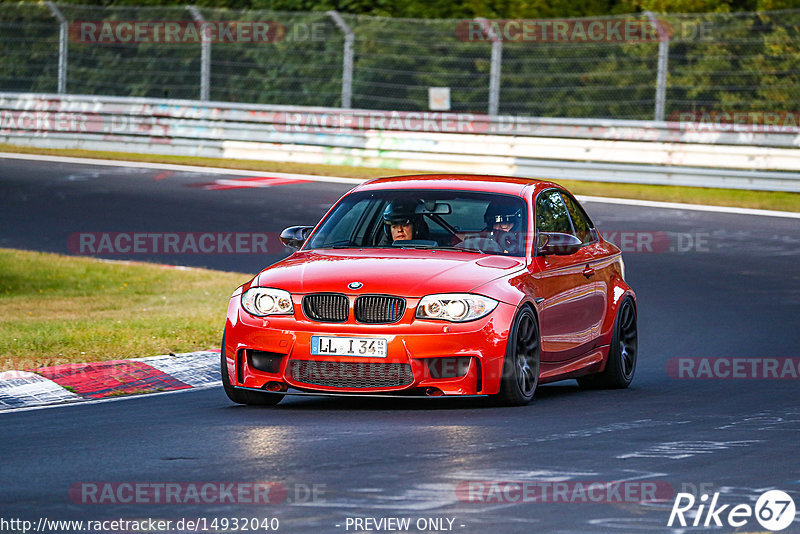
{"x": 522, "y": 361}
{"x": 240, "y": 396}
{"x": 622, "y": 353}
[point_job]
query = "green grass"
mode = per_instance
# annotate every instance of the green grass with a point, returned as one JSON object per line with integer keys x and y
{"x": 59, "y": 309}
{"x": 692, "y": 195}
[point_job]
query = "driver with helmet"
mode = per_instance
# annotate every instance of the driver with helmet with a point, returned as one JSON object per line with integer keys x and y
{"x": 402, "y": 222}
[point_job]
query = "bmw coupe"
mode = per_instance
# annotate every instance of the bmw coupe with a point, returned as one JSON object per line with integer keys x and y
{"x": 434, "y": 286}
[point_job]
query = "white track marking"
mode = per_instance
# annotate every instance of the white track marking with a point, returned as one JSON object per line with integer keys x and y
{"x": 23, "y": 389}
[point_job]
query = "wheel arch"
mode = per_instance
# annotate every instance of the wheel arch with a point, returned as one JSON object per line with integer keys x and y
{"x": 507, "y": 393}
{"x": 618, "y": 292}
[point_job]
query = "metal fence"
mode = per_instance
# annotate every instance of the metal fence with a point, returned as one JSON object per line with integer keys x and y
{"x": 592, "y": 68}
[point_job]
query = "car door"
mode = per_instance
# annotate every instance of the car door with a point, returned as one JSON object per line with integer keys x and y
{"x": 569, "y": 309}
{"x": 599, "y": 262}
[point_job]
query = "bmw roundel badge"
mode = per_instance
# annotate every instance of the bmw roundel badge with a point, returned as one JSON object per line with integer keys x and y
{"x": 355, "y": 285}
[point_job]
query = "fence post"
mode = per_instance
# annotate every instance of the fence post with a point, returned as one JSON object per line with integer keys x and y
{"x": 663, "y": 59}
{"x": 347, "y": 66}
{"x": 205, "y": 54}
{"x": 62, "y": 46}
{"x": 496, "y": 65}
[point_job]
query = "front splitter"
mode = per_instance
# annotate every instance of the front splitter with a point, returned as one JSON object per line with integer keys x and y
{"x": 298, "y": 393}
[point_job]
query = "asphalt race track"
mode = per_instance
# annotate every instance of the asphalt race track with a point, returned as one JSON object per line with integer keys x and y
{"x": 720, "y": 286}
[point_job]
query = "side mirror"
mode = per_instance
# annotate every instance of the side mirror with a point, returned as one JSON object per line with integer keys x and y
{"x": 557, "y": 243}
{"x": 294, "y": 236}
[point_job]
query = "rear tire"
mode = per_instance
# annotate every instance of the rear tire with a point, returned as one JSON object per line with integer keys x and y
{"x": 622, "y": 353}
{"x": 522, "y": 361}
{"x": 240, "y": 396}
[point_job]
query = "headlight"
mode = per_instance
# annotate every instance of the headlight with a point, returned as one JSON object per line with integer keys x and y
{"x": 263, "y": 301}
{"x": 455, "y": 307}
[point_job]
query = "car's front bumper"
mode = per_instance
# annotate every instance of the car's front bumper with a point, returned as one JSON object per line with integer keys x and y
{"x": 405, "y": 395}
{"x": 423, "y": 357}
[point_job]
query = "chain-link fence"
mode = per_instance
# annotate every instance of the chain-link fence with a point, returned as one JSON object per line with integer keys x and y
{"x": 600, "y": 67}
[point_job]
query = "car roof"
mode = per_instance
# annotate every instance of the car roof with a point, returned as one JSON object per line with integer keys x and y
{"x": 468, "y": 182}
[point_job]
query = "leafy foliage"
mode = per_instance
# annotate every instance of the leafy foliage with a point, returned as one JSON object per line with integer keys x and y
{"x": 721, "y": 59}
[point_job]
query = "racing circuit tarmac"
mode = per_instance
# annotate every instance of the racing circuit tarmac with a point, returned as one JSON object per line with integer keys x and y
{"x": 724, "y": 286}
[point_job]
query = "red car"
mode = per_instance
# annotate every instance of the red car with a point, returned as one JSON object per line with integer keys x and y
{"x": 435, "y": 285}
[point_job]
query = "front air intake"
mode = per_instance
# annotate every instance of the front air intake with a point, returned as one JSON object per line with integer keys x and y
{"x": 356, "y": 375}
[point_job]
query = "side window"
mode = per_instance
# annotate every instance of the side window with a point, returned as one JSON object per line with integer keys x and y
{"x": 584, "y": 229}
{"x": 347, "y": 224}
{"x": 551, "y": 213}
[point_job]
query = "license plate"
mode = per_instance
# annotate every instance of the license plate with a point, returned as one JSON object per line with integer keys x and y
{"x": 369, "y": 347}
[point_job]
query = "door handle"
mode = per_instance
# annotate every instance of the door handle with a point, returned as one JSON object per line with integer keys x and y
{"x": 588, "y": 272}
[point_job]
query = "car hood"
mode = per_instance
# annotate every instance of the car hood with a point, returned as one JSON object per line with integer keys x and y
{"x": 410, "y": 273}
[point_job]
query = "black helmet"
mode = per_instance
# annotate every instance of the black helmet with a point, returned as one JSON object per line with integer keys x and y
{"x": 404, "y": 211}
{"x": 401, "y": 211}
{"x": 503, "y": 212}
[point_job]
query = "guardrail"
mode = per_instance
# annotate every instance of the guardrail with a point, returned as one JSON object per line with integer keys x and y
{"x": 673, "y": 153}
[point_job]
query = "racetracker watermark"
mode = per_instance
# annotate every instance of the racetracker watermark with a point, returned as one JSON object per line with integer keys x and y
{"x": 628, "y": 241}
{"x": 211, "y": 493}
{"x": 655, "y": 241}
{"x": 166, "y": 243}
{"x": 411, "y": 121}
{"x": 564, "y": 30}
{"x": 291, "y": 122}
{"x": 732, "y": 368}
{"x": 753, "y": 121}
{"x": 533, "y": 491}
{"x": 175, "y": 32}
{"x": 350, "y": 122}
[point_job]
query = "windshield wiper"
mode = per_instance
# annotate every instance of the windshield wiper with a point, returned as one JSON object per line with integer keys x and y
{"x": 461, "y": 249}
{"x": 434, "y": 247}
{"x": 339, "y": 244}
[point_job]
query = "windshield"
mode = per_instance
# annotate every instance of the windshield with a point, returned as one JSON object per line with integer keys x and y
{"x": 471, "y": 221}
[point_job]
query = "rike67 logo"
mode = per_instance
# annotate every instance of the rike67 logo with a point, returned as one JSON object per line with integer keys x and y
{"x": 774, "y": 510}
